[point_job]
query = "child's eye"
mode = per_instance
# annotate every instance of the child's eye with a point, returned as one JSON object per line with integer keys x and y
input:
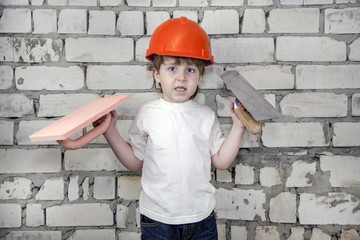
{"x": 171, "y": 69}
{"x": 191, "y": 70}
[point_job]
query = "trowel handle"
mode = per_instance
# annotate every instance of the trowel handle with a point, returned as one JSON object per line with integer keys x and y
{"x": 87, "y": 137}
{"x": 250, "y": 123}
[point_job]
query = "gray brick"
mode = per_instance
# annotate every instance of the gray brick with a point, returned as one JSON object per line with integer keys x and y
{"x": 15, "y": 105}
{"x": 16, "y": 21}
{"x": 342, "y": 21}
{"x": 72, "y": 21}
{"x": 7, "y": 132}
{"x": 10, "y": 216}
{"x": 30, "y": 161}
{"x": 99, "y": 49}
{"x": 6, "y": 76}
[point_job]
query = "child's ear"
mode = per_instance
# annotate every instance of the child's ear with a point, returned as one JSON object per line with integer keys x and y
{"x": 200, "y": 78}
{"x": 156, "y": 75}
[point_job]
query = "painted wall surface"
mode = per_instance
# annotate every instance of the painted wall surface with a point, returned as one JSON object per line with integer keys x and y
{"x": 298, "y": 179}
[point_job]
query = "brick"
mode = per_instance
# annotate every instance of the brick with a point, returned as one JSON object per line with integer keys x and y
{"x": 73, "y": 188}
{"x": 37, "y": 50}
{"x": 7, "y": 132}
{"x": 129, "y": 188}
{"x": 99, "y": 49}
{"x": 37, "y": 2}
{"x": 34, "y": 235}
{"x": 136, "y": 101}
{"x": 193, "y": 3}
{"x": 312, "y": 49}
{"x": 240, "y": 204}
{"x": 298, "y": 20}
{"x": 221, "y": 22}
{"x": 121, "y": 216}
{"x": 252, "y": 50}
{"x": 111, "y": 2}
{"x": 316, "y": 2}
{"x": 123, "y": 128}
{"x": 57, "y": 2}
{"x": 154, "y": 19}
{"x": 260, "y": 2}
{"x": 52, "y": 189}
{"x": 27, "y": 128}
{"x": 221, "y": 229}
{"x": 129, "y": 236}
{"x": 344, "y": 170}
{"x": 141, "y": 45}
{"x": 30, "y": 161}
{"x": 164, "y": 3}
{"x": 244, "y": 174}
{"x": 131, "y": 23}
{"x": 249, "y": 140}
{"x": 54, "y": 105}
{"x": 270, "y": 176}
{"x": 82, "y": 2}
{"x": 342, "y": 21}
{"x": 238, "y": 232}
{"x": 49, "y": 78}
{"x": 45, "y": 21}
{"x": 98, "y": 159}
{"x": 10, "y": 216}
{"x": 266, "y": 232}
{"x": 6, "y": 77}
{"x": 14, "y": 2}
{"x": 93, "y": 234}
{"x": 223, "y": 176}
{"x": 319, "y": 234}
{"x": 355, "y": 50}
{"x": 327, "y": 77}
{"x": 349, "y": 234}
{"x": 34, "y": 215}
{"x": 86, "y": 214}
{"x": 101, "y": 22}
{"x": 16, "y": 188}
{"x": 72, "y": 21}
{"x": 297, "y": 233}
{"x": 6, "y": 49}
{"x": 309, "y": 134}
{"x": 291, "y": 2}
{"x": 104, "y": 187}
{"x": 85, "y": 188}
{"x": 283, "y": 208}
{"x": 211, "y": 80}
{"x": 15, "y": 21}
{"x": 138, "y": 3}
{"x": 219, "y": 3}
{"x": 253, "y": 21}
{"x": 300, "y": 174}
{"x": 346, "y": 134}
{"x": 331, "y": 208}
{"x": 314, "y": 105}
{"x": 15, "y": 105}
{"x": 119, "y": 77}
{"x": 355, "y": 104}
{"x": 192, "y": 15}
{"x": 267, "y": 77}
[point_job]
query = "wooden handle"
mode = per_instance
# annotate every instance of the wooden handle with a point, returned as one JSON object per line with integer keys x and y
{"x": 88, "y": 137}
{"x": 250, "y": 123}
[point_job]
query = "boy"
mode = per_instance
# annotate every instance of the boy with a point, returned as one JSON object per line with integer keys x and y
{"x": 174, "y": 140}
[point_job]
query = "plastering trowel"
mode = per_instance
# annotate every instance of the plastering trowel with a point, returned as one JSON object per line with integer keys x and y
{"x": 65, "y": 127}
{"x": 257, "y": 108}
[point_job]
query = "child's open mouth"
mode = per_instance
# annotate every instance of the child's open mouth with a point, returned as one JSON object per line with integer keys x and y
{"x": 180, "y": 89}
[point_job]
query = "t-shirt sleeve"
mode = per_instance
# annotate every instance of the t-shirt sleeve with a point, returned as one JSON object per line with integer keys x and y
{"x": 137, "y": 138}
{"x": 216, "y": 137}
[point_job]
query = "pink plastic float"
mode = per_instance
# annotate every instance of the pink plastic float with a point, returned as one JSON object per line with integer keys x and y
{"x": 74, "y": 122}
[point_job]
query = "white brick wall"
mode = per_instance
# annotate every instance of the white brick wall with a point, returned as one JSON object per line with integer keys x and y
{"x": 295, "y": 180}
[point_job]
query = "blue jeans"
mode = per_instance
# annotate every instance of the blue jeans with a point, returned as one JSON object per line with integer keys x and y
{"x": 203, "y": 230}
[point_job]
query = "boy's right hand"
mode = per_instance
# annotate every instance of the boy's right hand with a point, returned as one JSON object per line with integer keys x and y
{"x": 112, "y": 125}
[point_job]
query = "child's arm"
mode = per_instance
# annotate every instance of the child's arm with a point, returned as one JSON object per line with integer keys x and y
{"x": 122, "y": 150}
{"x": 229, "y": 149}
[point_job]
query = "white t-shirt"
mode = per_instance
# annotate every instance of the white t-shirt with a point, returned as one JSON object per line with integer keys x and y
{"x": 175, "y": 141}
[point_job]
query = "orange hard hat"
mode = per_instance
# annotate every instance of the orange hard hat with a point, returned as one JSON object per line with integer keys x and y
{"x": 180, "y": 37}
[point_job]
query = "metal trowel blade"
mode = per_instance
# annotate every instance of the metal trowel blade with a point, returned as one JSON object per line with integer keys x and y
{"x": 253, "y": 101}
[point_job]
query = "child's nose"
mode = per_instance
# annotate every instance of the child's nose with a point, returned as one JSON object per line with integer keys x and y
{"x": 181, "y": 76}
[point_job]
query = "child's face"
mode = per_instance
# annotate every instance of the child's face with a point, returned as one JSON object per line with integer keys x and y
{"x": 178, "y": 81}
